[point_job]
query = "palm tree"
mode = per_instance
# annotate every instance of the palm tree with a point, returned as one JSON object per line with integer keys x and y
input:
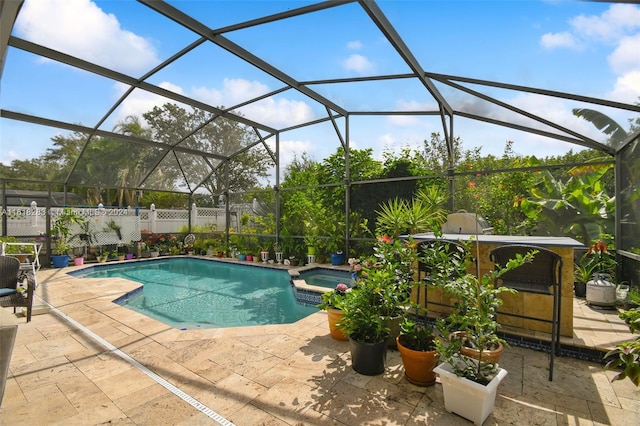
{"x": 606, "y": 124}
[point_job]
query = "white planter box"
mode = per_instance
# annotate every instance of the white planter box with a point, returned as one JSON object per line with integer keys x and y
{"x": 467, "y": 398}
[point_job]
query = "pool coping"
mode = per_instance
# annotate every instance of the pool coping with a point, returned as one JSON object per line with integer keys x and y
{"x": 301, "y": 284}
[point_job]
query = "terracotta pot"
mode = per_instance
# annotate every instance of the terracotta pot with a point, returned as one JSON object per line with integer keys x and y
{"x": 334, "y": 316}
{"x": 418, "y": 365}
{"x": 488, "y": 356}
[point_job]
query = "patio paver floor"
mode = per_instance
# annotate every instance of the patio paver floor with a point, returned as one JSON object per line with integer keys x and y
{"x": 269, "y": 375}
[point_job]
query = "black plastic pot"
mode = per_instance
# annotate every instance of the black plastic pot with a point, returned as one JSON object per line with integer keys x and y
{"x": 580, "y": 289}
{"x": 368, "y": 358}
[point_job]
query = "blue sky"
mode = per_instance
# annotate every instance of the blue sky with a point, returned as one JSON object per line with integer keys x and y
{"x": 588, "y": 48}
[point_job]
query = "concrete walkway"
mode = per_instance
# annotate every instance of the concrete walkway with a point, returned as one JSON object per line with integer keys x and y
{"x": 130, "y": 369}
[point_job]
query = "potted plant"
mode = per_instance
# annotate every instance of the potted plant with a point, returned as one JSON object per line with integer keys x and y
{"x": 626, "y": 355}
{"x": 21, "y": 251}
{"x": 61, "y": 231}
{"x": 390, "y": 271}
{"x": 293, "y": 261}
{"x": 311, "y": 241}
{"x": 277, "y": 249}
{"x": 366, "y": 329}
{"x": 470, "y": 382}
{"x": 583, "y": 270}
{"x": 416, "y": 344}
{"x": 335, "y": 244}
{"x": 597, "y": 260}
{"x": 332, "y": 302}
{"x": 264, "y": 253}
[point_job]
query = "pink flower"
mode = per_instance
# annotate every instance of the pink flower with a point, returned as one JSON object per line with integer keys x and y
{"x": 357, "y": 268}
{"x": 341, "y": 288}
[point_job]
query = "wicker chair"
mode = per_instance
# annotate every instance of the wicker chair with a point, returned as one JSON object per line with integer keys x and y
{"x": 10, "y": 276}
{"x": 542, "y": 276}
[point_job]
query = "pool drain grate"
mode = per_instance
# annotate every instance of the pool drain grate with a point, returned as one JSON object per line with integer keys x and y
{"x": 161, "y": 381}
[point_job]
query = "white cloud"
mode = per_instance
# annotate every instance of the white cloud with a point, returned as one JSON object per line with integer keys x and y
{"x": 8, "y": 157}
{"x": 354, "y": 45}
{"x": 292, "y": 148}
{"x": 357, "y": 63}
{"x": 236, "y": 90}
{"x": 140, "y": 101}
{"x": 626, "y": 57}
{"x": 270, "y": 111}
{"x": 627, "y": 88}
{"x": 403, "y": 120}
{"x": 610, "y": 25}
{"x": 278, "y": 113}
{"x": 80, "y": 28}
{"x": 618, "y": 26}
{"x": 563, "y": 39}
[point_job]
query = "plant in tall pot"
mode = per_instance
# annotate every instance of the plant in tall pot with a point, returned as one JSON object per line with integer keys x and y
{"x": 470, "y": 383}
{"x": 366, "y": 329}
{"x": 416, "y": 342}
{"x": 335, "y": 243}
{"x": 61, "y": 231}
{"x": 390, "y": 269}
{"x": 332, "y": 302}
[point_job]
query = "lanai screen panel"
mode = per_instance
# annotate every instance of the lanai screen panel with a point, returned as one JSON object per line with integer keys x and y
{"x": 630, "y": 196}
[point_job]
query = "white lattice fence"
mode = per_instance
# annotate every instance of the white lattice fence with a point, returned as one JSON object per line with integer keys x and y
{"x": 31, "y": 221}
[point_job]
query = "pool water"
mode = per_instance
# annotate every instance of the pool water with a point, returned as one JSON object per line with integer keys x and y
{"x": 190, "y": 293}
{"x": 327, "y": 278}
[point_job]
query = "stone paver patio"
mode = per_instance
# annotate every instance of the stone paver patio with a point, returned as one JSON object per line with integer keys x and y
{"x": 131, "y": 369}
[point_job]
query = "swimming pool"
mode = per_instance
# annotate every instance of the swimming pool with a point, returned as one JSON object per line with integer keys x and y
{"x": 190, "y": 293}
{"x": 327, "y": 278}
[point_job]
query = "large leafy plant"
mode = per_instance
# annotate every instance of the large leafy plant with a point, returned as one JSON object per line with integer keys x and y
{"x": 626, "y": 355}
{"x": 383, "y": 289}
{"x": 578, "y": 207}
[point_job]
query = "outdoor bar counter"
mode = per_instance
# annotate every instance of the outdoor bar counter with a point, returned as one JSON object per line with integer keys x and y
{"x": 527, "y": 304}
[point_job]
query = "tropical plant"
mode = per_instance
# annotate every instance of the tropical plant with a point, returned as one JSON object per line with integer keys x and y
{"x": 474, "y": 314}
{"x": 632, "y": 318}
{"x": 578, "y": 207}
{"x": 62, "y": 227}
{"x": 626, "y": 355}
{"x": 604, "y": 123}
{"x": 383, "y": 289}
{"x": 390, "y": 272}
{"x": 361, "y": 320}
{"x": 597, "y": 259}
{"x": 392, "y": 217}
{"x": 398, "y": 216}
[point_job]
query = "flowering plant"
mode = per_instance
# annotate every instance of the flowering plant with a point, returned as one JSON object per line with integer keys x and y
{"x": 390, "y": 272}
{"x": 355, "y": 267}
{"x": 598, "y": 259}
{"x": 334, "y": 299}
{"x": 162, "y": 242}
